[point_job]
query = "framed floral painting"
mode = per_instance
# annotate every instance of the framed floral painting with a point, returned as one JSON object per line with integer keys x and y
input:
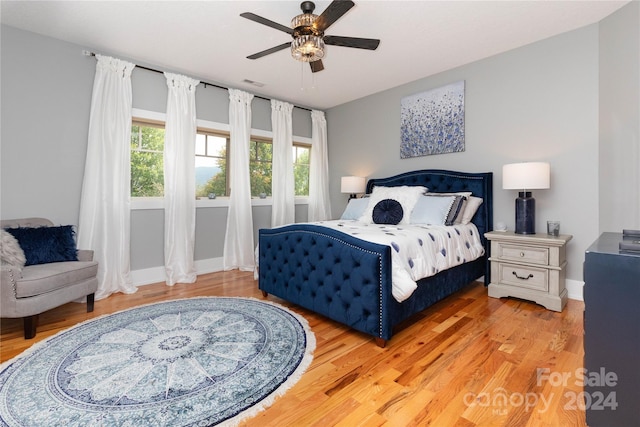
{"x": 432, "y": 122}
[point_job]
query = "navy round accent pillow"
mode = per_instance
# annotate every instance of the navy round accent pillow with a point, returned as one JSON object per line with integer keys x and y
{"x": 387, "y": 211}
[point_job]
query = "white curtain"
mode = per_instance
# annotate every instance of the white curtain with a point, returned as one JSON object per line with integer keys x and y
{"x": 104, "y": 223}
{"x": 282, "y": 185}
{"x": 319, "y": 203}
{"x": 238, "y": 241}
{"x": 179, "y": 180}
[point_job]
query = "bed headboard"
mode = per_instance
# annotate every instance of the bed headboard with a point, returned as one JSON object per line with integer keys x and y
{"x": 444, "y": 181}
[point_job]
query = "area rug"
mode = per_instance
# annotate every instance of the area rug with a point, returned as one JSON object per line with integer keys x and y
{"x": 190, "y": 362}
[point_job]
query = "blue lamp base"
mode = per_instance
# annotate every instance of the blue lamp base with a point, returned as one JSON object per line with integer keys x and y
{"x": 525, "y": 213}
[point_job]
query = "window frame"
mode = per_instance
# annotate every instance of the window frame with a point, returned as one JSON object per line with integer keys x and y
{"x": 219, "y": 134}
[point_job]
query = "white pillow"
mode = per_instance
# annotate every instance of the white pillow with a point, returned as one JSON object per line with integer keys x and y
{"x": 407, "y": 196}
{"x": 470, "y": 207}
{"x": 355, "y": 208}
{"x": 432, "y": 210}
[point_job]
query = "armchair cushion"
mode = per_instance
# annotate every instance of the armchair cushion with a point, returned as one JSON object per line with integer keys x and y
{"x": 43, "y": 245}
{"x": 10, "y": 251}
{"x": 44, "y": 278}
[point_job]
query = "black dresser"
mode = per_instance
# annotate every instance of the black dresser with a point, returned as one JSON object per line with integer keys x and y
{"x": 612, "y": 334}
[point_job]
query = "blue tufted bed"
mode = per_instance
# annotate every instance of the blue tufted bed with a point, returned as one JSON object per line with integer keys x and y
{"x": 348, "y": 279}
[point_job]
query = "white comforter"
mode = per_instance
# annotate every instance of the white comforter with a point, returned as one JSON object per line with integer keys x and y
{"x": 417, "y": 251}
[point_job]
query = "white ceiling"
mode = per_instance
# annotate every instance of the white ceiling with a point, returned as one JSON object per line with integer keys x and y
{"x": 208, "y": 40}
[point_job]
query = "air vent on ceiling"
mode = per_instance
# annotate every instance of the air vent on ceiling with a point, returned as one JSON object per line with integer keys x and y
{"x": 251, "y": 82}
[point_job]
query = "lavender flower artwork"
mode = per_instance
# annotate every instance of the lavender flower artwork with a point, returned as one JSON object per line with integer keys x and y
{"x": 432, "y": 122}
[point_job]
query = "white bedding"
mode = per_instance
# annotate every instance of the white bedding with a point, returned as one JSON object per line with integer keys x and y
{"x": 417, "y": 251}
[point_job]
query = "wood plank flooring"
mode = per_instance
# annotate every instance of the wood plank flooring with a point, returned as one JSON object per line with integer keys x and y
{"x": 468, "y": 361}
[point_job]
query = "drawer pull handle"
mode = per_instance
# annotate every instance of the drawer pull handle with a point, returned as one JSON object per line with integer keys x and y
{"x": 521, "y": 254}
{"x": 522, "y": 278}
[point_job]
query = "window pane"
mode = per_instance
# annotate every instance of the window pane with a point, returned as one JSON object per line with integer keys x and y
{"x": 210, "y": 176}
{"x": 300, "y": 154}
{"x": 201, "y": 147}
{"x": 211, "y": 167}
{"x": 260, "y": 167}
{"x": 301, "y": 174}
{"x": 152, "y": 138}
{"x": 135, "y": 137}
{"x": 147, "y": 162}
{"x": 260, "y": 178}
{"x": 216, "y": 145}
{"x": 147, "y": 174}
{"x": 261, "y": 151}
{"x": 301, "y": 169}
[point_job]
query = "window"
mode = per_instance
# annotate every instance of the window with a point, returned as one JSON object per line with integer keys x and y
{"x": 147, "y": 162}
{"x": 211, "y": 160}
{"x": 301, "y": 156}
{"x": 260, "y": 162}
{"x": 211, "y": 164}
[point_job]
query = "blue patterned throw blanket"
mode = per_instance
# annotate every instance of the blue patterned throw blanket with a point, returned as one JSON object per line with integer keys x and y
{"x": 418, "y": 251}
{"x": 191, "y": 362}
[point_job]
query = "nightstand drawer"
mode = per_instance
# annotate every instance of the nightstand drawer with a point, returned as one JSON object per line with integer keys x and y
{"x": 520, "y": 253}
{"x": 523, "y": 277}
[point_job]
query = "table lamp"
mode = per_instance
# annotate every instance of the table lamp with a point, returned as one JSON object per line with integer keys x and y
{"x": 525, "y": 176}
{"x": 352, "y": 185}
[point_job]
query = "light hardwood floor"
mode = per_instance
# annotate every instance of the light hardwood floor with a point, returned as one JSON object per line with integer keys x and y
{"x": 470, "y": 360}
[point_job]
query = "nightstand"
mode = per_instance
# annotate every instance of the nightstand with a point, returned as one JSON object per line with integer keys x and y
{"x": 529, "y": 266}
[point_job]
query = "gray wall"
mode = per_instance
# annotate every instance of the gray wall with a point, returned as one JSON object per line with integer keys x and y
{"x": 46, "y": 97}
{"x": 46, "y": 89}
{"x": 619, "y": 192}
{"x": 535, "y": 103}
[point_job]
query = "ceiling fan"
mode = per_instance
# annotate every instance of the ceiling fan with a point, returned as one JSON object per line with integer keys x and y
{"x": 307, "y": 30}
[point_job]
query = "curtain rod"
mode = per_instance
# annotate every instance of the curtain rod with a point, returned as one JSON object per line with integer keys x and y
{"x": 89, "y": 53}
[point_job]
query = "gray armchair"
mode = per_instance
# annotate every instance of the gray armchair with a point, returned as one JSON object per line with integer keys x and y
{"x": 41, "y": 287}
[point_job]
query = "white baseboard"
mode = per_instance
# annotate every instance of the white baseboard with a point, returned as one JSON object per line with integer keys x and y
{"x": 574, "y": 289}
{"x": 151, "y": 275}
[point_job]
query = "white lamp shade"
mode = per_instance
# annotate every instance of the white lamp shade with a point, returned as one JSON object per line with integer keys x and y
{"x": 352, "y": 184}
{"x": 525, "y": 176}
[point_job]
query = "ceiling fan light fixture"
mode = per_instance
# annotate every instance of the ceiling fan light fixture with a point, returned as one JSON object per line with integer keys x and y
{"x": 307, "y": 44}
{"x": 307, "y": 48}
{"x": 308, "y": 33}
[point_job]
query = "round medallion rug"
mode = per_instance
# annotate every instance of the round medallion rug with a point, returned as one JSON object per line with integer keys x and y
{"x": 190, "y": 362}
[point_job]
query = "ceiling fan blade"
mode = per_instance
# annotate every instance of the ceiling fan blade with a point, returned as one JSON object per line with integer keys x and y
{"x": 371, "y": 44}
{"x": 267, "y": 22}
{"x": 316, "y": 66}
{"x": 269, "y": 51}
{"x": 332, "y": 13}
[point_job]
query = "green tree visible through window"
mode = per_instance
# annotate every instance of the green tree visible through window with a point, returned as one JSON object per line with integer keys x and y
{"x": 301, "y": 169}
{"x": 260, "y": 155}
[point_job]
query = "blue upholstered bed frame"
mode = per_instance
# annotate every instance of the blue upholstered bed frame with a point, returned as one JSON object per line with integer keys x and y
{"x": 349, "y": 280}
